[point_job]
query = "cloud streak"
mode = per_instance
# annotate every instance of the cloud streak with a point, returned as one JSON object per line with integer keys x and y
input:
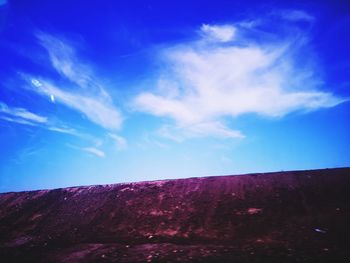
{"x": 85, "y": 95}
{"x": 64, "y": 60}
{"x": 296, "y": 15}
{"x": 97, "y": 110}
{"x": 222, "y": 33}
{"x": 25, "y": 117}
{"x": 22, "y": 114}
{"x": 207, "y": 84}
{"x": 94, "y": 151}
{"x": 119, "y": 141}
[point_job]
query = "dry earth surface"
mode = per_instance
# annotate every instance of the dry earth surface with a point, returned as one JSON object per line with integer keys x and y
{"x": 296, "y": 216}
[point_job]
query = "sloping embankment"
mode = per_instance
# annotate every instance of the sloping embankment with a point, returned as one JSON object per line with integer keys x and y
{"x": 297, "y": 216}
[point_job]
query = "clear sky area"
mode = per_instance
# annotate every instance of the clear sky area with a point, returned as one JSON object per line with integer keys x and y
{"x": 96, "y": 92}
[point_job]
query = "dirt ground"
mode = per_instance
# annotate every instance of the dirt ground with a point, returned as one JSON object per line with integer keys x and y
{"x": 296, "y": 216}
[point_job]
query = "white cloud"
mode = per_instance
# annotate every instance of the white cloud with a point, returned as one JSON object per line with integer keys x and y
{"x": 22, "y": 114}
{"x": 119, "y": 141}
{"x": 224, "y": 33}
{"x": 65, "y": 130}
{"x": 97, "y": 109}
{"x": 207, "y": 83}
{"x": 24, "y": 117}
{"x": 64, "y": 59}
{"x": 88, "y": 95}
{"x": 30, "y": 116}
{"x": 94, "y": 151}
{"x": 19, "y": 121}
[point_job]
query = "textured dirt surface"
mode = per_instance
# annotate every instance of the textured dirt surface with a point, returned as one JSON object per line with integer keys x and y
{"x": 297, "y": 216}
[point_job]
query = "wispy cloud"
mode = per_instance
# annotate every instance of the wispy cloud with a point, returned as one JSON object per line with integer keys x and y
{"x": 25, "y": 117}
{"x": 78, "y": 89}
{"x": 222, "y": 33}
{"x": 204, "y": 83}
{"x": 95, "y": 109}
{"x": 86, "y": 94}
{"x": 66, "y": 130}
{"x": 15, "y": 120}
{"x": 118, "y": 140}
{"x": 295, "y": 15}
{"x": 150, "y": 140}
{"x": 94, "y": 151}
{"x": 21, "y": 114}
{"x": 65, "y": 61}
{"x": 180, "y": 133}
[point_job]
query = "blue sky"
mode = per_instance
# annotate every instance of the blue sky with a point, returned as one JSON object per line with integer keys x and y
{"x": 96, "y": 92}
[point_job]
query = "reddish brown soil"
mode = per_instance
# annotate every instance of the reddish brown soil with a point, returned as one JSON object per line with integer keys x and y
{"x": 298, "y": 216}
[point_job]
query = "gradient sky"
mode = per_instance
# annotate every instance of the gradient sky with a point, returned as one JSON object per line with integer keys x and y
{"x": 96, "y": 92}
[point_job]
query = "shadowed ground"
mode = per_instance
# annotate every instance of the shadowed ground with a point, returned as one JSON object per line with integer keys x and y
{"x": 297, "y": 216}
